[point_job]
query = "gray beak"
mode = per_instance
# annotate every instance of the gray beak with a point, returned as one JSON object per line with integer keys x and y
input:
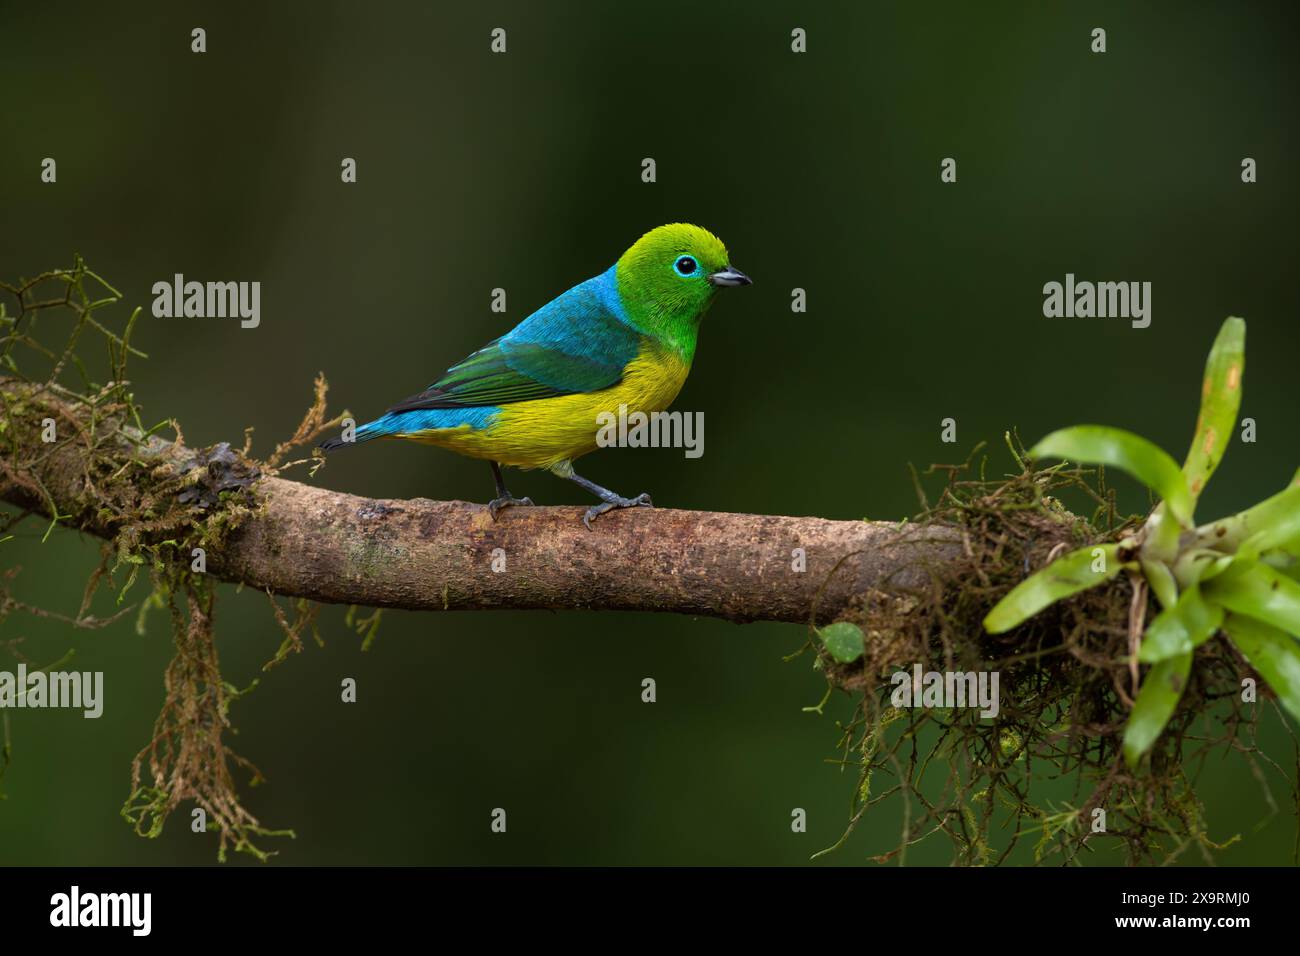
{"x": 729, "y": 276}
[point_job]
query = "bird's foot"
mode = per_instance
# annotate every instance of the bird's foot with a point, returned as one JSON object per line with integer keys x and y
{"x": 609, "y": 504}
{"x": 505, "y": 501}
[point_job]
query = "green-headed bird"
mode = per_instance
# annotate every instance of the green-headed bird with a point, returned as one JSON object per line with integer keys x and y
{"x": 534, "y": 397}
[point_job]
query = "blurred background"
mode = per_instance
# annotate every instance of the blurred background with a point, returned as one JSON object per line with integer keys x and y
{"x": 522, "y": 170}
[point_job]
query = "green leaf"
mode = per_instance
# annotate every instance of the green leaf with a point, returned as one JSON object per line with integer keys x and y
{"x": 1176, "y": 630}
{"x": 1198, "y": 565}
{"x": 1155, "y": 704}
{"x": 1272, "y": 523}
{"x": 1259, "y": 591}
{"x": 1068, "y": 574}
{"x": 1148, "y": 463}
{"x": 1284, "y": 562}
{"x": 1220, "y": 400}
{"x": 1161, "y": 580}
{"x": 1278, "y": 526}
{"x": 843, "y": 640}
{"x": 1273, "y": 654}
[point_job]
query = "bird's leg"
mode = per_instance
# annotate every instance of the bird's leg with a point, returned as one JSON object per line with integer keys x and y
{"x": 504, "y": 498}
{"x": 609, "y": 499}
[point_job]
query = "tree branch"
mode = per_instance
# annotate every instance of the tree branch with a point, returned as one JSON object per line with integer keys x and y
{"x": 309, "y": 542}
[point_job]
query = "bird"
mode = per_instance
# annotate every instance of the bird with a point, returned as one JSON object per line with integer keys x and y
{"x": 532, "y": 398}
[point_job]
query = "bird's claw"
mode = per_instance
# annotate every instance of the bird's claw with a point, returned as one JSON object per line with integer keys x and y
{"x": 505, "y": 501}
{"x": 640, "y": 501}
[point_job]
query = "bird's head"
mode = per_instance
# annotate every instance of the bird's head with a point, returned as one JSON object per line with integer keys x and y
{"x": 669, "y": 277}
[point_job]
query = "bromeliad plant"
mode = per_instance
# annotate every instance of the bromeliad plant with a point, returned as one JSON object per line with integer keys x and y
{"x": 1238, "y": 577}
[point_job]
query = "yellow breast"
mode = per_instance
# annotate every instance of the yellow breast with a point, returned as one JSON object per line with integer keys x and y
{"x": 549, "y": 431}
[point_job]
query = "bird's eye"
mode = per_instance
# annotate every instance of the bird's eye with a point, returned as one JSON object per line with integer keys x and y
{"x": 686, "y": 266}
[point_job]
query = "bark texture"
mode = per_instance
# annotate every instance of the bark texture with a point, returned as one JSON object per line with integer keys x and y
{"x": 417, "y": 554}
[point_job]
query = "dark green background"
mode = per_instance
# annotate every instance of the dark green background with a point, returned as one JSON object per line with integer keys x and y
{"x": 522, "y": 170}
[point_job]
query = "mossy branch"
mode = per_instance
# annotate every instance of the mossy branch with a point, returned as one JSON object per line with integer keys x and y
{"x": 309, "y": 542}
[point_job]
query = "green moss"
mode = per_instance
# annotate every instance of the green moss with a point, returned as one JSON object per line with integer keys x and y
{"x": 1065, "y": 689}
{"x": 153, "y": 509}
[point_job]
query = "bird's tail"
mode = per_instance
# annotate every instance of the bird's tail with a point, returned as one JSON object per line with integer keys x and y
{"x": 405, "y": 423}
{"x": 376, "y": 429}
{"x": 332, "y": 444}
